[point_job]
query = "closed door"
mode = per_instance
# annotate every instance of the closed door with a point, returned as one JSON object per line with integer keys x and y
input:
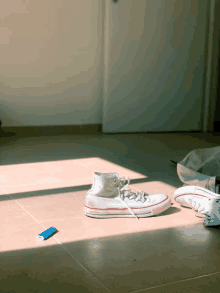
{"x": 154, "y": 64}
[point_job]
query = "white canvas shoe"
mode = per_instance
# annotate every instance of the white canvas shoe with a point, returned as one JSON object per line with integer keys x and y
{"x": 209, "y": 208}
{"x": 181, "y": 193}
{"x": 109, "y": 197}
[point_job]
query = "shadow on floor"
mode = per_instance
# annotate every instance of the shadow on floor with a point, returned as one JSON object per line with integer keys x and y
{"x": 148, "y": 258}
{"x": 147, "y": 156}
{"x": 53, "y": 191}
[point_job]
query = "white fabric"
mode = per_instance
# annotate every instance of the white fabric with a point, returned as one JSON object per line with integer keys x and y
{"x": 200, "y": 168}
{"x": 207, "y": 208}
{"x": 202, "y": 206}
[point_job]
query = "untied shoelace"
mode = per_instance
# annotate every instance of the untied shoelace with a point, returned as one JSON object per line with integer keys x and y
{"x": 200, "y": 210}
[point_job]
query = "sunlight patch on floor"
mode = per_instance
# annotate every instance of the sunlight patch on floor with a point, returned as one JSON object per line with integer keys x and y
{"x": 65, "y": 211}
{"x": 58, "y": 174}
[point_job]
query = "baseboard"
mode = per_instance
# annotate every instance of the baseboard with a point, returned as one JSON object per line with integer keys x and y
{"x": 25, "y": 131}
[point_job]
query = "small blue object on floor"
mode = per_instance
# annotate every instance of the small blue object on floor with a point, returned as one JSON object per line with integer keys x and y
{"x": 46, "y": 234}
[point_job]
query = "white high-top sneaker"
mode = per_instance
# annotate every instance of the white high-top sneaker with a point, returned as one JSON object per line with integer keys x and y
{"x": 109, "y": 197}
{"x": 209, "y": 208}
{"x": 182, "y": 192}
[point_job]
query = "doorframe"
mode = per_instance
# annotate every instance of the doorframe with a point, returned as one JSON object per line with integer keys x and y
{"x": 212, "y": 68}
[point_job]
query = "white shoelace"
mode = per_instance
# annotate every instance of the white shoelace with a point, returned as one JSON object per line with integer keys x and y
{"x": 200, "y": 210}
{"x": 124, "y": 192}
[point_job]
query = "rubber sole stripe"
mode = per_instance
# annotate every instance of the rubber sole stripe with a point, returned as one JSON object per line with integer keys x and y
{"x": 106, "y": 215}
{"x": 191, "y": 194}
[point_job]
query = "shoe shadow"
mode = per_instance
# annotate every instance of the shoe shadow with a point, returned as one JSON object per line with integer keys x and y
{"x": 170, "y": 211}
{"x": 213, "y": 227}
{"x": 189, "y": 208}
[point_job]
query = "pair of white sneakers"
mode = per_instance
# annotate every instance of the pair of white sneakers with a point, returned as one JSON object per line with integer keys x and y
{"x": 110, "y": 197}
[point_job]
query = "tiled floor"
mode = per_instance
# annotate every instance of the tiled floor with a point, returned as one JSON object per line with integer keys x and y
{"x": 44, "y": 182}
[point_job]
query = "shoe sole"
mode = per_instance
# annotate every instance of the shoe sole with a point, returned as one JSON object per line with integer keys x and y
{"x": 124, "y": 213}
{"x": 183, "y": 191}
{"x": 217, "y": 223}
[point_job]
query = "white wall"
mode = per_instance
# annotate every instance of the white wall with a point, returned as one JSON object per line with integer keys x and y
{"x": 51, "y": 62}
{"x": 155, "y": 65}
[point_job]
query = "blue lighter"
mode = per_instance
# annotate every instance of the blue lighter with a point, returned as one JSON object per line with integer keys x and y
{"x": 46, "y": 234}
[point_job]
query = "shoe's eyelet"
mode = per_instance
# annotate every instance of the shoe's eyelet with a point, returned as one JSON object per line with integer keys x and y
{"x": 115, "y": 180}
{"x": 116, "y": 185}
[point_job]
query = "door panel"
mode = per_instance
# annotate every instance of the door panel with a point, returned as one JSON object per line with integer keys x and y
{"x": 154, "y": 64}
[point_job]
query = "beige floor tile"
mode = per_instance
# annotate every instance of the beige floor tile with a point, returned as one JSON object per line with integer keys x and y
{"x": 15, "y": 190}
{"x": 25, "y": 177}
{"x": 52, "y": 207}
{"x": 44, "y": 174}
{"x": 12, "y": 214}
{"x": 15, "y": 237}
{"x": 2, "y": 192}
{"x": 45, "y": 269}
{"x": 82, "y": 227}
{"x": 35, "y": 173}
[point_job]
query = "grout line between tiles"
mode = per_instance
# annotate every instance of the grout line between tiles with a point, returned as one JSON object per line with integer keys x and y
{"x": 81, "y": 264}
{"x": 184, "y": 280}
{"x": 42, "y": 226}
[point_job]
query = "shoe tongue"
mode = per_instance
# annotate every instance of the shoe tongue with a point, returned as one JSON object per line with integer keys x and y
{"x": 98, "y": 174}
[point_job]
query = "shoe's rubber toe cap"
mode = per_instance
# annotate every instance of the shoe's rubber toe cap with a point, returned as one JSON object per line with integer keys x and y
{"x": 160, "y": 203}
{"x": 181, "y": 193}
